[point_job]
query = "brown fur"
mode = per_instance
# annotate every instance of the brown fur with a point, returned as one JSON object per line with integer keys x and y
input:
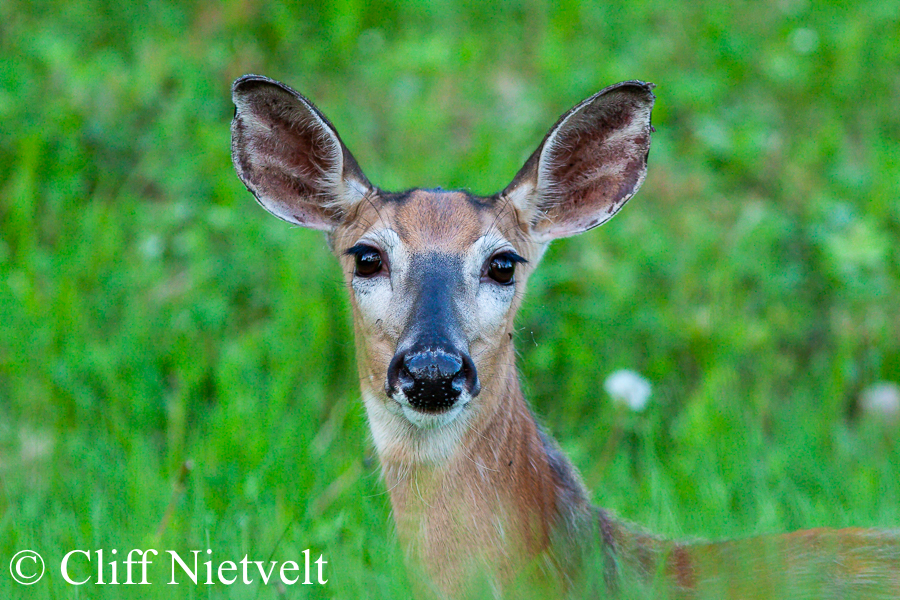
{"x": 509, "y": 498}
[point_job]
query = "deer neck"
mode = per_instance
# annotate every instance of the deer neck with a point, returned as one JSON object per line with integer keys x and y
{"x": 494, "y": 484}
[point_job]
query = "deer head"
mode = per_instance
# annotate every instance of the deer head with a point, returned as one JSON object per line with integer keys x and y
{"x": 435, "y": 277}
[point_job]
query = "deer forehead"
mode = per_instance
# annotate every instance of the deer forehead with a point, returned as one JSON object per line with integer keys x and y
{"x": 427, "y": 221}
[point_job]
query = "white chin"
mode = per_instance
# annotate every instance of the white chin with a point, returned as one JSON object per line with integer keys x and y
{"x": 424, "y": 420}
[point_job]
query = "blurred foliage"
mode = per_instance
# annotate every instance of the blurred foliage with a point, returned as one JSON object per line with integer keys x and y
{"x": 151, "y": 313}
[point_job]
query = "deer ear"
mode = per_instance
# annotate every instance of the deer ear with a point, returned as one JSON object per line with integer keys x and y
{"x": 590, "y": 163}
{"x": 290, "y": 157}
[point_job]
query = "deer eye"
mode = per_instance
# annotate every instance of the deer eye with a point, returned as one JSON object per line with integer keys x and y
{"x": 368, "y": 260}
{"x": 501, "y": 267}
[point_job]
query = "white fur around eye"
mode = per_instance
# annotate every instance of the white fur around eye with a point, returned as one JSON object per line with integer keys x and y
{"x": 491, "y": 300}
{"x": 377, "y": 298}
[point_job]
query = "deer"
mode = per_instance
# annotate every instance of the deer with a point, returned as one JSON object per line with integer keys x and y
{"x": 478, "y": 491}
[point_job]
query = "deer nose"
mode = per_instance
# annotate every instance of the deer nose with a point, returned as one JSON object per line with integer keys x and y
{"x": 432, "y": 379}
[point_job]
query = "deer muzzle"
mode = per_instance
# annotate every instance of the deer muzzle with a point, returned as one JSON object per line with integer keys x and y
{"x": 432, "y": 369}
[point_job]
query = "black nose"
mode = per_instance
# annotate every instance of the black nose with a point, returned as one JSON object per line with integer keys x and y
{"x": 432, "y": 379}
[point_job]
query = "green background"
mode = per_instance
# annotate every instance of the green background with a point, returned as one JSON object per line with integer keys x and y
{"x": 151, "y": 313}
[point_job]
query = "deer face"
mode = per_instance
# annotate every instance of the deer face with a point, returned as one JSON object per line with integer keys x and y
{"x": 435, "y": 277}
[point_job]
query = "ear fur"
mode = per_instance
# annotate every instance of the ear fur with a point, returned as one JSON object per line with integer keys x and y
{"x": 290, "y": 156}
{"x": 589, "y": 164}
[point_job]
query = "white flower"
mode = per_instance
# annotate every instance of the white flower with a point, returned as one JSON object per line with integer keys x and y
{"x": 881, "y": 400}
{"x": 804, "y": 40}
{"x": 628, "y": 388}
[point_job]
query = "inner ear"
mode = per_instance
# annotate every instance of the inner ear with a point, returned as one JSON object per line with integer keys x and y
{"x": 590, "y": 163}
{"x": 291, "y": 157}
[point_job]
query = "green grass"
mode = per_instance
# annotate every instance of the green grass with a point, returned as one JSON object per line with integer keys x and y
{"x": 151, "y": 313}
